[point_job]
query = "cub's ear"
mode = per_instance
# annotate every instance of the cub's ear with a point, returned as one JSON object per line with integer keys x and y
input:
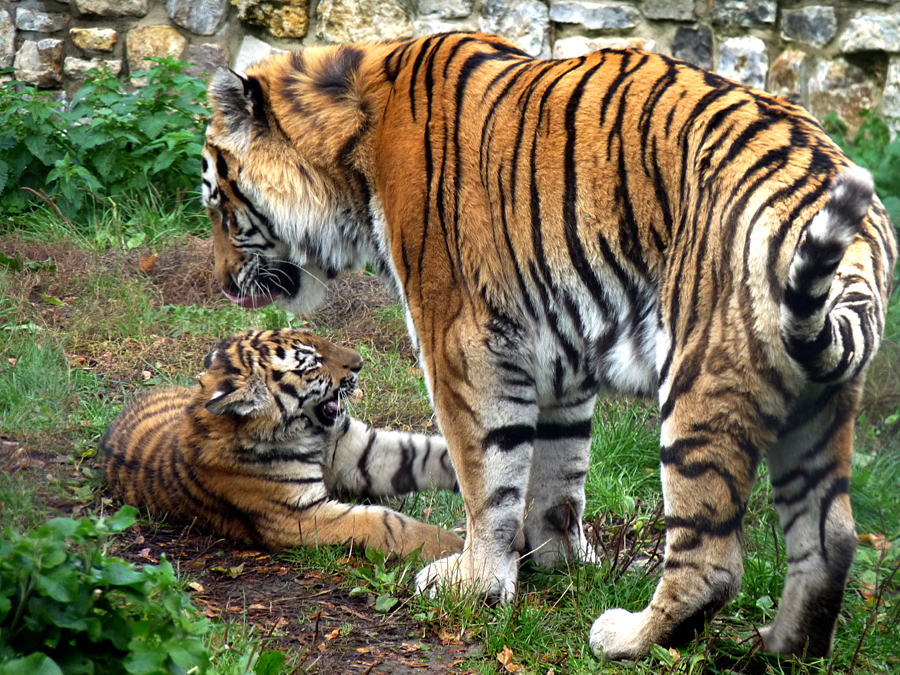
{"x": 245, "y": 399}
{"x": 208, "y": 361}
{"x": 239, "y": 99}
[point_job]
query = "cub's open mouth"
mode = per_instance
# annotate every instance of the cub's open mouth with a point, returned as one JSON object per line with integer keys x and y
{"x": 329, "y": 411}
{"x": 250, "y": 301}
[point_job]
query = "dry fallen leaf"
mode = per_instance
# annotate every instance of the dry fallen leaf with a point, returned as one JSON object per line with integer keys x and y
{"x": 197, "y": 586}
{"x": 146, "y": 374}
{"x": 505, "y": 657}
{"x": 867, "y": 590}
{"x": 259, "y": 605}
{"x": 876, "y": 541}
{"x": 147, "y": 262}
{"x": 333, "y": 634}
{"x": 448, "y": 638}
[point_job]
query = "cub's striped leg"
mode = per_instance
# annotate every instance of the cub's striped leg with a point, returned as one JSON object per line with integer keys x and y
{"x": 367, "y": 462}
{"x": 333, "y": 522}
{"x": 555, "y": 500}
{"x": 810, "y": 472}
{"x": 711, "y": 447}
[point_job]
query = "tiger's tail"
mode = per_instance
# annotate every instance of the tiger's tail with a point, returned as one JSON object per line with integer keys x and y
{"x": 830, "y": 327}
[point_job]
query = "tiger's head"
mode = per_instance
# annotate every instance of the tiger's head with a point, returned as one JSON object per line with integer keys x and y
{"x": 284, "y": 175}
{"x": 278, "y": 384}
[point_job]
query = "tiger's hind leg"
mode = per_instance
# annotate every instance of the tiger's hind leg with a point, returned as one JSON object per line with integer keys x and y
{"x": 555, "y": 499}
{"x": 713, "y": 436}
{"x": 810, "y": 473}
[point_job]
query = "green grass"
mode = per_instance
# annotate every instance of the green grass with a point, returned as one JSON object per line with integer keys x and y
{"x": 52, "y": 401}
{"x": 130, "y": 222}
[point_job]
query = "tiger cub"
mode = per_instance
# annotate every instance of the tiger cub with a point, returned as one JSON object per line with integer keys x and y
{"x": 259, "y": 449}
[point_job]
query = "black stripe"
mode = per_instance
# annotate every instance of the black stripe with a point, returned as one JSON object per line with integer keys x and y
{"x": 556, "y": 431}
{"x": 503, "y": 496}
{"x": 508, "y": 438}
{"x": 839, "y": 487}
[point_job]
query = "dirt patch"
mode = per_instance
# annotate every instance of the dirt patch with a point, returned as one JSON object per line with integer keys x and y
{"x": 303, "y": 612}
{"x": 182, "y": 271}
{"x": 354, "y": 310}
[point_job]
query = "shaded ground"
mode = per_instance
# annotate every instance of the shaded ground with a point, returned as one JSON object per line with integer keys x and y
{"x": 300, "y": 610}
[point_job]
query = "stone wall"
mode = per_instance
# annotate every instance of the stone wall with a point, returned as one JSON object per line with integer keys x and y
{"x": 830, "y": 55}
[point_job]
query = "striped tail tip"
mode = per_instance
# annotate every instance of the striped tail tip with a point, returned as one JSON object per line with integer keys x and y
{"x": 806, "y": 329}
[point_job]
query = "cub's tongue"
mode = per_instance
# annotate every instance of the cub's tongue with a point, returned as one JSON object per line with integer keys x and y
{"x": 249, "y": 302}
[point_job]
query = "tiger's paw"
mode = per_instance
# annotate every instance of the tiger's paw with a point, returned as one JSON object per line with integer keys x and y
{"x": 770, "y": 639}
{"x": 618, "y": 634}
{"x": 459, "y": 573}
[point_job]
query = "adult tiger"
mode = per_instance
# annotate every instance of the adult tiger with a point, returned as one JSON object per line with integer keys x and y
{"x": 260, "y": 450}
{"x": 621, "y": 220}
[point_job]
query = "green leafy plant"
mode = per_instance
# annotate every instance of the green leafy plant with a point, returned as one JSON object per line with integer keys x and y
{"x": 382, "y": 581}
{"x": 18, "y": 262}
{"x": 112, "y": 141}
{"x": 873, "y": 149}
{"x": 66, "y": 607}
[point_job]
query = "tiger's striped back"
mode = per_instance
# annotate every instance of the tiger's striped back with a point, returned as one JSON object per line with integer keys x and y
{"x": 260, "y": 449}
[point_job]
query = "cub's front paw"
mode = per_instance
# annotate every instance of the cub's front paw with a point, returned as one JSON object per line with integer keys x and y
{"x": 617, "y": 634}
{"x": 462, "y": 575}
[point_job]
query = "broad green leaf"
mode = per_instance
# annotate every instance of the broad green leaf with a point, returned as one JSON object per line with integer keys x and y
{"x": 34, "y": 664}
{"x": 662, "y": 654}
{"x": 385, "y": 603}
{"x": 122, "y": 519}
{"x": 269, "y": 663}
{"x": 61, "y": 527}
{"x": 117, "y": 630}
{"x": 38, "y": 146}
{"x": 153, "y": 126}
{"x": 145, "y": 659}
{"x": 120, "y": 574}
{"x": 163, "y": 161}
{"x": 53, "y": 588}
{"x": 188, "y": 653}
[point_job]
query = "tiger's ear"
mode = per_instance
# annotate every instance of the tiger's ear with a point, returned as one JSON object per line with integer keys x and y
{"x": 239, "y": 99}
{"x": 246, "y": 400}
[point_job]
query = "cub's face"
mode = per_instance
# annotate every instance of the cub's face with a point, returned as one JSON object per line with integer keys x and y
{"x": 277, "y": 384}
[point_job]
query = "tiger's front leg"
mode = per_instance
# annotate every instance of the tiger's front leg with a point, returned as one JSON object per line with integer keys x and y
{"x": 710, "y": 451}
{"x": 487, "y": 409}
{"x": 368, "y": 462}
